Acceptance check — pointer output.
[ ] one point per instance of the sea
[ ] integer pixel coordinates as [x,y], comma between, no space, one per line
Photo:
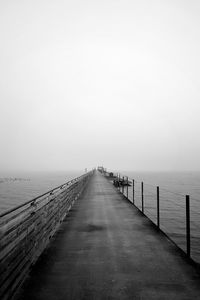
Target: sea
[173,188]
[17,188]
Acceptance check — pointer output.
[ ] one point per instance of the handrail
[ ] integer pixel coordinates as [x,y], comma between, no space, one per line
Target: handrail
[40,196]
[25,234]
[139,193]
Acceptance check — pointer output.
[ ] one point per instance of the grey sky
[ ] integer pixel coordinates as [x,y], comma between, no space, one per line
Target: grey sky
[84,83]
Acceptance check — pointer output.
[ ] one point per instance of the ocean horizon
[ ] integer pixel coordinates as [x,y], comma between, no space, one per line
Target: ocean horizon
[20,186]
[17,188]
[24,185]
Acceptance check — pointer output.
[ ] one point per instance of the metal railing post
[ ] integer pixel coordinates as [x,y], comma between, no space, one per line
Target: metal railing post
[117,180]
[188,225]
[133,191]
[158,207]
[127,188]
[142,194]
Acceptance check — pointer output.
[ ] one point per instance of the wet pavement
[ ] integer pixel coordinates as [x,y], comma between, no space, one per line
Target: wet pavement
[105,249]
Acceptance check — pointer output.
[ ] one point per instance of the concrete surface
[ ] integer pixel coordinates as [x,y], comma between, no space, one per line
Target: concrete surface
[105,249]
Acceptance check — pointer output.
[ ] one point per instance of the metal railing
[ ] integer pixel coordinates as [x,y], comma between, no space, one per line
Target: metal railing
[173,213]
[26,229]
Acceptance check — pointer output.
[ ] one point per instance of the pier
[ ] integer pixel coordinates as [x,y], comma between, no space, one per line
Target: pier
[106,249]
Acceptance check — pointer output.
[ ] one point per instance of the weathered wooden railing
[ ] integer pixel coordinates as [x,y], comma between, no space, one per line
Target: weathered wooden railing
[26,230]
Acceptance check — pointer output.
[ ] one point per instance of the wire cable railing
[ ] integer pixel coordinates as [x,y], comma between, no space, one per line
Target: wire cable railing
[174,213]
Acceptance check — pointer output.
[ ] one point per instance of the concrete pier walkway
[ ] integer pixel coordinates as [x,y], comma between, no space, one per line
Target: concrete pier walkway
[105,250]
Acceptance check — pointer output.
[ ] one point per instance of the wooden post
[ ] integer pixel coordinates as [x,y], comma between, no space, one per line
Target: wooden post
[133,191]
[123,185]
[188,224]
[158,207]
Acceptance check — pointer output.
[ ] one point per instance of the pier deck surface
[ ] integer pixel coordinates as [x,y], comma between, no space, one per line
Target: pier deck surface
[105,249]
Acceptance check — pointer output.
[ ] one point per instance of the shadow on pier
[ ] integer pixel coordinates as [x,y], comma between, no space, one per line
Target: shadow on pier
[105,249]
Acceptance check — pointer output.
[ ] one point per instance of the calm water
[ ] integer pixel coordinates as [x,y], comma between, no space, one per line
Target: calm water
[173,188]
[17,188]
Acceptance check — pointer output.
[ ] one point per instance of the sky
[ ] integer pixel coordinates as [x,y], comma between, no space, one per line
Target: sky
[88,83]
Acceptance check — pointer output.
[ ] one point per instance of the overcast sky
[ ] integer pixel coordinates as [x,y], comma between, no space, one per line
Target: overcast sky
[88,83]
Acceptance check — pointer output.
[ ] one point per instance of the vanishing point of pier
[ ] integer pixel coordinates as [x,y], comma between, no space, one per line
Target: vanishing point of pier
[104,249]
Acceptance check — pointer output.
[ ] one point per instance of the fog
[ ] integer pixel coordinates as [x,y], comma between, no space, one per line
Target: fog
[88,83]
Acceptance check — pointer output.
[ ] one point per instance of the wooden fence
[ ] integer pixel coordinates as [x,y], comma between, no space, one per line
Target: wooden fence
[26,230]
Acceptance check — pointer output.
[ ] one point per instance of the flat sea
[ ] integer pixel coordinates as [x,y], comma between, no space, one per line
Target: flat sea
[16,188]
[19,187]
[173,187]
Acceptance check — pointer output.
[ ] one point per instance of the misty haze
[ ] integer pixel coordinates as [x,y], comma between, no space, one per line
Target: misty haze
[99,83]
[99,155]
